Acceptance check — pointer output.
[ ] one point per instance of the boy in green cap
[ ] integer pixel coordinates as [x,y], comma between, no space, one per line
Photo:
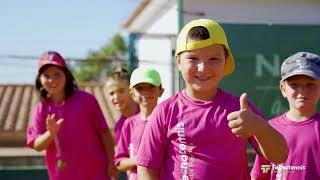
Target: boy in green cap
[145,86]
[201,132]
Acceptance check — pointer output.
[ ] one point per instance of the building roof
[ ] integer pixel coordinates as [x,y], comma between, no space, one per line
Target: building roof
[18,100]
[135,13]
[145,15]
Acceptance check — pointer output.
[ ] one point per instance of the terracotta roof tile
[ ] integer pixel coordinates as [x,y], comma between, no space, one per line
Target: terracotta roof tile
[5,105]
[17,102]
[25,108]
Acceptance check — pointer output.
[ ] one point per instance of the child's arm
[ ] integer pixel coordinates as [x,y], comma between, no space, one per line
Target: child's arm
[124,150]
[268,138]
[126,164]
[148,174]
[44,140]
[245,123]
[108,145]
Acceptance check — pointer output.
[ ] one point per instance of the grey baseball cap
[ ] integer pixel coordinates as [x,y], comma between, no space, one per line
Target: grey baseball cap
[301,63]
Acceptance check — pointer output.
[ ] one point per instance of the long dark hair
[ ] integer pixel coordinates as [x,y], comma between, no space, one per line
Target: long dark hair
[70,87]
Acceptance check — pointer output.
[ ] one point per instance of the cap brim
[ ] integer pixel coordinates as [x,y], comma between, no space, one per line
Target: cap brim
[50,64]
[230,65]
[301,72]
[147,80]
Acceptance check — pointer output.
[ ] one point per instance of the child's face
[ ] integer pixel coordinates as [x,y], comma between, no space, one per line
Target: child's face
[118,93]
[53,80]
[146,94]
[202,69]
[302,92]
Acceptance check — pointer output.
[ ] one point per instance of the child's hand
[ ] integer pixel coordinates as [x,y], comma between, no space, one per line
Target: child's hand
[113,171]
[53,126]
[243,123]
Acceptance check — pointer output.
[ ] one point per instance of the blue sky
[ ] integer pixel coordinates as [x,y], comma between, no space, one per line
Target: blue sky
[71,27]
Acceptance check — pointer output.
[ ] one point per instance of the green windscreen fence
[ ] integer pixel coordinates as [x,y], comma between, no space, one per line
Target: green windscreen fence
[259,51]
[24,174]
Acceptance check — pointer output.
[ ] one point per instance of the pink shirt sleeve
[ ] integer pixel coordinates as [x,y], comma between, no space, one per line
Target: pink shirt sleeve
[257,172]
[154,140]
[118,127]
[122,148]
[98,119]
[37,126]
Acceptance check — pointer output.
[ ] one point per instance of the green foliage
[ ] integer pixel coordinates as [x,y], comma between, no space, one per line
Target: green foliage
[97,63]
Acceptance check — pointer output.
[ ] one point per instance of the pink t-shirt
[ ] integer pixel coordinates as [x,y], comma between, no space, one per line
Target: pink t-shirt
[79,137]
[118,127]
[188,139]
[119,124]
[129,141]
[303,139]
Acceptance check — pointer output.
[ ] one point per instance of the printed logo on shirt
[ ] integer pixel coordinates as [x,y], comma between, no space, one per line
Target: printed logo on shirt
[185,151]
[131,150]
[131,154]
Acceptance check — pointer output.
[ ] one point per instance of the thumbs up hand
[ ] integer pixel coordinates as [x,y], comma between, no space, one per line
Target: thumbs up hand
[243,123]
[244,102]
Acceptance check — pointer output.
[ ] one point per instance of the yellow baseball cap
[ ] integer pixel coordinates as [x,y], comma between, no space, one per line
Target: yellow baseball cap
[145,75]
[217,36]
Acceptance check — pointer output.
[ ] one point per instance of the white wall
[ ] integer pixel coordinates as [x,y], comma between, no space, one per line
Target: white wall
[156,52]
[255,11]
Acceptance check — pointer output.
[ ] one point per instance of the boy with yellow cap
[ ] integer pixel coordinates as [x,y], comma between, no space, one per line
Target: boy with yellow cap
[201,132]
[145,86]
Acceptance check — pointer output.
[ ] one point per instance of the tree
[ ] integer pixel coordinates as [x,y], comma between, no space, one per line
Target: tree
[95,66]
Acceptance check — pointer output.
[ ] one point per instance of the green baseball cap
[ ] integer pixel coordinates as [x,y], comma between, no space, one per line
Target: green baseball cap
[145,75]
[217,36]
